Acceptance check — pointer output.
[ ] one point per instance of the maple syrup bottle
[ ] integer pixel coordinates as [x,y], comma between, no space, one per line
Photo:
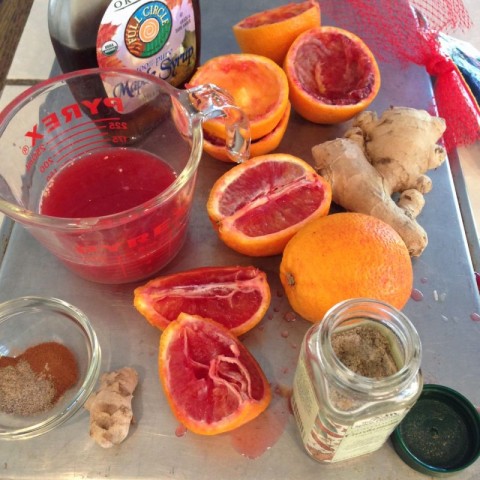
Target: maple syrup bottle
[159,37]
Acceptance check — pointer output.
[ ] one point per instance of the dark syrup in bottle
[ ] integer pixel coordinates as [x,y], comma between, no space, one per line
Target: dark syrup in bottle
[73,27]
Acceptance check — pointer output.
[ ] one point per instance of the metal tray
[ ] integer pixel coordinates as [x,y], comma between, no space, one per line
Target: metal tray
[450,337]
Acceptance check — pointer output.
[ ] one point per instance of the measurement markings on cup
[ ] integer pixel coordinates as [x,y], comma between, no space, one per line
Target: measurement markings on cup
[78,141]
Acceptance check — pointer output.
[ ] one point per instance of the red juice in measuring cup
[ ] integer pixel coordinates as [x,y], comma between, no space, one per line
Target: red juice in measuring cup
[108,182]
[105,182]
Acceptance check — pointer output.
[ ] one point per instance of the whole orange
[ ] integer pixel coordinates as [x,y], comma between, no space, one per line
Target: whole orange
[342,256]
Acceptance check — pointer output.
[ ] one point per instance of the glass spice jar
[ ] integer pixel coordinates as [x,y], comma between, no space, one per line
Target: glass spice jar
[342,414]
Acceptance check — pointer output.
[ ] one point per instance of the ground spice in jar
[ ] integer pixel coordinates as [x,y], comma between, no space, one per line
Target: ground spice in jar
[365,350]
[348,395]
[34,381]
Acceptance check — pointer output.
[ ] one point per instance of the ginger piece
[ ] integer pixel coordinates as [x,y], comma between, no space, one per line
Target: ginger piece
[402,145]
[111,407]
[380,157]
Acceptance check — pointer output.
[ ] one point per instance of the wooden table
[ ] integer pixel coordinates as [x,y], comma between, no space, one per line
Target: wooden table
[13,15]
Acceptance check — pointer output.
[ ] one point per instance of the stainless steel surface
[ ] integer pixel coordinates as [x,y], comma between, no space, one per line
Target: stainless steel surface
[443,318]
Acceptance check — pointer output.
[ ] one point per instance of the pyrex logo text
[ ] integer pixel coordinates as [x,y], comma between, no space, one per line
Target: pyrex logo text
[54,120]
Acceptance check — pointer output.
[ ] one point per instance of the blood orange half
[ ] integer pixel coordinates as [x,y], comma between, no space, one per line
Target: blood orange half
[212,382]
[259,205]
[257,85]
[236,297]
[271,32]
[332,75]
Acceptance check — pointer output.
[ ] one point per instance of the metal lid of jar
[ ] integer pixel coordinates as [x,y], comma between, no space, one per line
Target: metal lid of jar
[441,433]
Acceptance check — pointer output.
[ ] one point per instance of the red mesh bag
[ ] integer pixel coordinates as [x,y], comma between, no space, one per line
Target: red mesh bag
[412,31]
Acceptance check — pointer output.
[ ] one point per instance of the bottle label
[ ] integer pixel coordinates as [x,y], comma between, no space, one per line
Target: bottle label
[328,441]
[155,37]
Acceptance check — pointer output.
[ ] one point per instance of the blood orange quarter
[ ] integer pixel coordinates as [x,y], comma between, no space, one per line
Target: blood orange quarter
[237,297]
[259,205]
[212,382]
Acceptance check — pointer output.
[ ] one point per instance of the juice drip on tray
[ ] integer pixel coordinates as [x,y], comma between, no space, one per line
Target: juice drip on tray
[254,438]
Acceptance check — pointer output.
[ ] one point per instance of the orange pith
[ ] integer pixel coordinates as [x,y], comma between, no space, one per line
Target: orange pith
[257,84]
[271,32]
[332,75]
[343,256]
[212,382]
[216,146]
[259,205]
[237,297]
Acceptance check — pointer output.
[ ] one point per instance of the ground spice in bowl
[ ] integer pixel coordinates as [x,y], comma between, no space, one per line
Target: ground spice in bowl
[34,381]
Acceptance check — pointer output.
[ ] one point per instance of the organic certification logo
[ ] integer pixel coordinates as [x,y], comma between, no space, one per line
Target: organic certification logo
[148,29]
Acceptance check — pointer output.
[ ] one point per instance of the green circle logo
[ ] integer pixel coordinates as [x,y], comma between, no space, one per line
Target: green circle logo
[148,29]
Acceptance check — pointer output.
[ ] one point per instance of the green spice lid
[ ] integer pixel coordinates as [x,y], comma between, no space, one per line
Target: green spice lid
[441,433]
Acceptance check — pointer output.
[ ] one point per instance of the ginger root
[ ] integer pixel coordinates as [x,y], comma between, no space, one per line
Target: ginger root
[380,157]
[111,407]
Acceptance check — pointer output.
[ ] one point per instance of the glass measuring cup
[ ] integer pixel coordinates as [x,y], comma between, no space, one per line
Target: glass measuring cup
[123,141]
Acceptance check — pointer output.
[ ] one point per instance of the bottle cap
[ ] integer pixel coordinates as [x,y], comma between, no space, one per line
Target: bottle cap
[441,433]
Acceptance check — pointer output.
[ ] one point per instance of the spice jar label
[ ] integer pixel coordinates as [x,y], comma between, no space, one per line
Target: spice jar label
[368,435]
[329,441]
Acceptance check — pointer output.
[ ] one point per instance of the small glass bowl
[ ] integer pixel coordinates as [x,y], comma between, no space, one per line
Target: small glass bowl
[29,321]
